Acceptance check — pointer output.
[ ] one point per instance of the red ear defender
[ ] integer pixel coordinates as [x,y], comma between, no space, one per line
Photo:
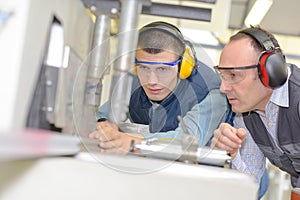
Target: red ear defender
[272,67]
[263,74]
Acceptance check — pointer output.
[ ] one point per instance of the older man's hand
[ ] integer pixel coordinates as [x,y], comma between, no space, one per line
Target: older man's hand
[228,138]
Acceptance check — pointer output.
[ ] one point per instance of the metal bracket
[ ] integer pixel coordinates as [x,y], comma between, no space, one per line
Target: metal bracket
[189,145]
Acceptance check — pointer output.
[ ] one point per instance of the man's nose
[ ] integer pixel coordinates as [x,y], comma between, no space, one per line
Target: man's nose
[152,78]
[225,87]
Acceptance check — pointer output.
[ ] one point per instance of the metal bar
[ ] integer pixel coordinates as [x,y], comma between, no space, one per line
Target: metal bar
[159,9]
[127,42]
[98,60]
[100,46]
[177,11]
[204,1]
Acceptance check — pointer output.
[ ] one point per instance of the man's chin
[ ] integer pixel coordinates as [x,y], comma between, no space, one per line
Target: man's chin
[238,110]
[155,97]
[159,96]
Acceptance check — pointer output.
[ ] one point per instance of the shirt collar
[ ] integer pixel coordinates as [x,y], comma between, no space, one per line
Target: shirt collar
[280,95]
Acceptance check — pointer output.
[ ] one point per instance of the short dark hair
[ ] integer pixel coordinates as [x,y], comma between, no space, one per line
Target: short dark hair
[155,40]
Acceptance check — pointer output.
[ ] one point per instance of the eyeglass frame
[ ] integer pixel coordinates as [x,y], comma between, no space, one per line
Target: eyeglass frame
[217,69]
[169,64]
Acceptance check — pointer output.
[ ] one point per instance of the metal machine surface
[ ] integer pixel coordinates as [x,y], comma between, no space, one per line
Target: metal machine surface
[169,151]
[85,177]
[27,35]
[54,58]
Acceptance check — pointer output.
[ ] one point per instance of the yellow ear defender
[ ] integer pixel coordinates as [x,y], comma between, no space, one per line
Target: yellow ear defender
[134,72]
[187,64]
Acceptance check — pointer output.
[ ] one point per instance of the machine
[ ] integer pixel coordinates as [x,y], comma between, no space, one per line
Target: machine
[59,59]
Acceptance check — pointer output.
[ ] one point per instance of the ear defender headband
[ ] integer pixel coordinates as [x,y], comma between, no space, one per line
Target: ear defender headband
[272,67]
[187,63]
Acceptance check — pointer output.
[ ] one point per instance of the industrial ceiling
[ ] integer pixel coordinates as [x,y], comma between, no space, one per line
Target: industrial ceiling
[226,17]
[282,18]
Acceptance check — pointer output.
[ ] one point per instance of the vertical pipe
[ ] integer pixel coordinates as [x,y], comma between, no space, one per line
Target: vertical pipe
[96,63]
[98,59]
[127,42]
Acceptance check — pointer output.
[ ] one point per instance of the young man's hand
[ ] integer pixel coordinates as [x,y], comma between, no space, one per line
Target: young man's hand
[111,140]
[228,138]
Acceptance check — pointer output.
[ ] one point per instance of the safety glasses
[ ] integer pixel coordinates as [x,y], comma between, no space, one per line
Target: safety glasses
[161,69]
[233,75]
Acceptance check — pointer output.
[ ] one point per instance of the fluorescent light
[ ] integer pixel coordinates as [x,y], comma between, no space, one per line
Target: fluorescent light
[257,12]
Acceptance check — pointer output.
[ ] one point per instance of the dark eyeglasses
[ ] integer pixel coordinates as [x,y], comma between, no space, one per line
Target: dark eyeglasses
[233,75]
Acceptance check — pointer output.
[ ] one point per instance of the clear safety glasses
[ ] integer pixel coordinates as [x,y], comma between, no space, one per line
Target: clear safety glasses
[160,69]
[233,75]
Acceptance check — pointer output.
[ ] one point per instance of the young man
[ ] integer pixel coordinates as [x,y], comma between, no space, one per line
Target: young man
[264,92]
[170,82]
